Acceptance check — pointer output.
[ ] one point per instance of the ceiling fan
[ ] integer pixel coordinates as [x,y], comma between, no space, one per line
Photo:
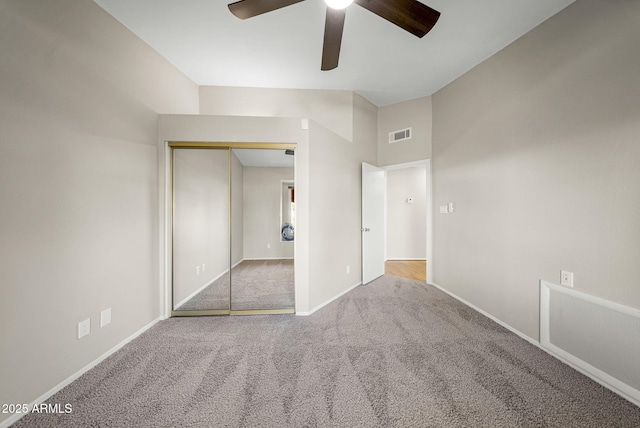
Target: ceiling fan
[410,15]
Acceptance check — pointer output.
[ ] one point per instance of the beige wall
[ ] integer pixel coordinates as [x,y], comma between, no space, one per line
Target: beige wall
[415,114]
[334,215]
[406,222]
[365,129]
[538,147]
[79,101]
[262,194]
[332,109]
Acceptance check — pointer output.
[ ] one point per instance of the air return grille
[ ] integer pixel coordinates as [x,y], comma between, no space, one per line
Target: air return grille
[403,134]
[599,337]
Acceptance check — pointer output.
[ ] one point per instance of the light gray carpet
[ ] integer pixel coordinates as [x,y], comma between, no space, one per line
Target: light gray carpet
[395,353]
[256,284]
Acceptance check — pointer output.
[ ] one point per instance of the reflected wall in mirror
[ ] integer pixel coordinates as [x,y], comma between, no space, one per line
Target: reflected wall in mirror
[201,229]
[262,276]
[287,211]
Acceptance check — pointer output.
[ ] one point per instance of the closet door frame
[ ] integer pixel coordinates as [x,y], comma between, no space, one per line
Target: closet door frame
[218,146]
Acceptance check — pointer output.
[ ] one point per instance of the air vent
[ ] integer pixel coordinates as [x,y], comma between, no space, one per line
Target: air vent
[401,135]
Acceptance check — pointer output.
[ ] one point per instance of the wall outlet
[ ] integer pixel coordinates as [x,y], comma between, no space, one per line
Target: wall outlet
[84,328]
[204,267]
[348,269]
[444,209]
[268,246]
[197,270]
[105,317]
[566,278]
[450,207]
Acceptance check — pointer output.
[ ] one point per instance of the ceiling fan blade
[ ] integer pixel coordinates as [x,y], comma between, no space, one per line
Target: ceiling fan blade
[244,9]
[333,27]
[410,15]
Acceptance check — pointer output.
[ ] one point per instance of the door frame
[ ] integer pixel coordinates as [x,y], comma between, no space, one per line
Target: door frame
[429,217]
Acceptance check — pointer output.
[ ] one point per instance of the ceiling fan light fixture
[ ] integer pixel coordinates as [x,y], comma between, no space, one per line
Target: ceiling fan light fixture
[338,4]
[410,15]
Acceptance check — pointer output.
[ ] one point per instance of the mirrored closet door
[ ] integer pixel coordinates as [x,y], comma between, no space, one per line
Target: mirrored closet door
[263,229]
[233,228]
[201,252]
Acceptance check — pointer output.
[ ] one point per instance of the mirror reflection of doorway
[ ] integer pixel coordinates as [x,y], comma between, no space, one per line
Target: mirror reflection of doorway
[228,253]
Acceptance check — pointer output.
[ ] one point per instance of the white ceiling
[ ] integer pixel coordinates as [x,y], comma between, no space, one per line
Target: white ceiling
[282,49]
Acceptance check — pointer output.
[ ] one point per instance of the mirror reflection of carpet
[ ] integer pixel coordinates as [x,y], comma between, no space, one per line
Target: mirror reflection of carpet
[257,284]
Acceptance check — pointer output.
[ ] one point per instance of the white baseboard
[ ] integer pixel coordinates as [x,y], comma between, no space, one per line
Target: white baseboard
[400,259]
[269,258]
[44,397]
[539,346]
[329,301]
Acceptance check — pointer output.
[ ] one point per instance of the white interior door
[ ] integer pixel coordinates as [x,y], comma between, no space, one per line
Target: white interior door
[373,190]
